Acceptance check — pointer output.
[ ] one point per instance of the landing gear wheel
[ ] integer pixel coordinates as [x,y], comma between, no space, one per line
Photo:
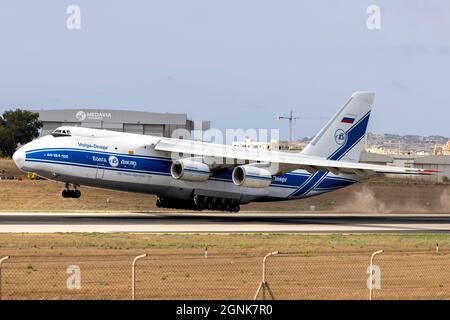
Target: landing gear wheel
[222,205]
[199,202]
[69,193]
[211,204]
[201,205]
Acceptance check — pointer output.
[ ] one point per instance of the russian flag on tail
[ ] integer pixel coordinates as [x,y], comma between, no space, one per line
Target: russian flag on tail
[349,119]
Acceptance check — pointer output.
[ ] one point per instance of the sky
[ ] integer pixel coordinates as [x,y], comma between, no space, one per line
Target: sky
[238,63]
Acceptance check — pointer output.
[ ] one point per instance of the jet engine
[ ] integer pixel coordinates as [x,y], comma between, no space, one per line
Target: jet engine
[189,170]
[251,176]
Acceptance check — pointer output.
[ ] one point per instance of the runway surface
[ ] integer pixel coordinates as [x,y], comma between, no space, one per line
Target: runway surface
[162,222]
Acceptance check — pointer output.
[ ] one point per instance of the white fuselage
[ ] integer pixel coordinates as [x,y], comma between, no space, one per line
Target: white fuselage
[129,162]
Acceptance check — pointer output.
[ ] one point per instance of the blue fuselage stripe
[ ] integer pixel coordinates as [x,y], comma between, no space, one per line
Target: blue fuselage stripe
[161,166]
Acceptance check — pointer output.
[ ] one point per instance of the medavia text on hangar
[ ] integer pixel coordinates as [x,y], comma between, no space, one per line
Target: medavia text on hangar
[140,122]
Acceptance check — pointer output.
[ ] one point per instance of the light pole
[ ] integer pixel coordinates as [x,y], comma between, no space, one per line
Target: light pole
[264,285]
[133,277]
[1,261]
[371,272]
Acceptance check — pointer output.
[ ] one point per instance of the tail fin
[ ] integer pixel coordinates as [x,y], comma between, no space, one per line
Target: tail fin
[342,137]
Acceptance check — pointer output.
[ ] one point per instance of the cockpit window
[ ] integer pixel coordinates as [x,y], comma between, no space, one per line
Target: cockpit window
[61,133]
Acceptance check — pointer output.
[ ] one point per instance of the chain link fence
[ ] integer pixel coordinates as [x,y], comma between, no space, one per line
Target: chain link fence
[396,275]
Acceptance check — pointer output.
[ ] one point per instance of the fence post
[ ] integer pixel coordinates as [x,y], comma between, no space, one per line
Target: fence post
[133,276]
[371,272]
[1,261]
[264,285]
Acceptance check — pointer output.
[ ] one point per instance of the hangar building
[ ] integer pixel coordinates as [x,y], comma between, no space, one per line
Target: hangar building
[149,123]
[440,163]
[375,158]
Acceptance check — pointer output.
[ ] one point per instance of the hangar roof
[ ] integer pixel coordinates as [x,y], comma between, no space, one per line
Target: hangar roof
[111,116]
[433,160]
[375,157]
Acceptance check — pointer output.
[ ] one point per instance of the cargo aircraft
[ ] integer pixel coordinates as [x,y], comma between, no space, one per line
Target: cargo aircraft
[187,174]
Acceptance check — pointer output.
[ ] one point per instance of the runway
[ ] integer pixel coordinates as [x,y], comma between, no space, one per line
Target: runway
[163,222]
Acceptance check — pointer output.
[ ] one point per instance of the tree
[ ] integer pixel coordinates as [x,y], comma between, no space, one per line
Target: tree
[17,128]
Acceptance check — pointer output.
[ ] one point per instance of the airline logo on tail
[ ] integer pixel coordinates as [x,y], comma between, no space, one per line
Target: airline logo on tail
[345,130]
[340,136]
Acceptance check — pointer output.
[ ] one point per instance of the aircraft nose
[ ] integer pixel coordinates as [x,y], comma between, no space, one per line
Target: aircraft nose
[19,158]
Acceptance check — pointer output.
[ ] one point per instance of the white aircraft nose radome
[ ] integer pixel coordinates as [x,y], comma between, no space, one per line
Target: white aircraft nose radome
[19,158]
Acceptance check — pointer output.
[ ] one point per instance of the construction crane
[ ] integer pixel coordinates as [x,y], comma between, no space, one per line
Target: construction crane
[291,118]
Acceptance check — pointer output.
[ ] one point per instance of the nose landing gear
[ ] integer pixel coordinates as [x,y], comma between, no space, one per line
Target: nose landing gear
[71,193]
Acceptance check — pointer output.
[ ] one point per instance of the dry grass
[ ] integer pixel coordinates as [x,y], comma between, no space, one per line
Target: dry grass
[42,195]
[85,244]
[10,168]
[314,266]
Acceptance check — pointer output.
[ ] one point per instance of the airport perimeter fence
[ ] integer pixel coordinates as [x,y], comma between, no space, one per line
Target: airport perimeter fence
[396,275]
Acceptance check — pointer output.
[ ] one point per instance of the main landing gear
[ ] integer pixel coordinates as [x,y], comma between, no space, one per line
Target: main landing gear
[215,203]
[200,203]
[71,193]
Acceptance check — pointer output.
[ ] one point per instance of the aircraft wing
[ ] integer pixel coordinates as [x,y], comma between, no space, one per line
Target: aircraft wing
[233,156]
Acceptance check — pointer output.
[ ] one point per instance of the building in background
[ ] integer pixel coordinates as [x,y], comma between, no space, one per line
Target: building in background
[375,158]
[140,122]
[295,146]
[442,150]
[439,163]
[248,143]
[394,144]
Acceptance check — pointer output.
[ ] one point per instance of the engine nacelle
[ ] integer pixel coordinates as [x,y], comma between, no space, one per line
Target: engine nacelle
[189,170]
[251,177]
